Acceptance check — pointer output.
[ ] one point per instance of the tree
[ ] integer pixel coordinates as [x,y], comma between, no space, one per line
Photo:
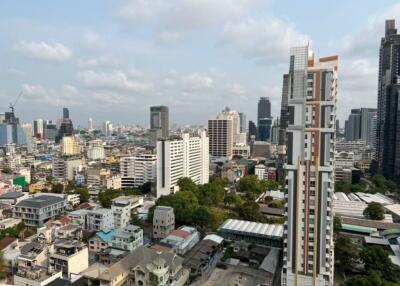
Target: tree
[57,188]
[183,203]
[186,184]
[251,186]
[211,194]
[145,188]
[346,253]
[343,186]
[3,267]
[271,185]
[376,258]
[135,220]
[250,211]
[232,199]
[277,204]
[105,198]
[374,211]
[379,180]
[83,194]
[337,225]
[201,217]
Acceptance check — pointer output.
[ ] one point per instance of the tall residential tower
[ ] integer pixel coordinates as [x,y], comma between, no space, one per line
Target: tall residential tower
[388,119]
[308,228]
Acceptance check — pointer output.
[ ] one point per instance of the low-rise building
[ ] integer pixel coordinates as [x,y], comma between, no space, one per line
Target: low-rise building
[13,198]
[9,222]
[100,240]
[69,257]
[37,210]
[73,199]
[141,267]
[122,208]
[163,221]
[182,239]
[35,276]
[128,238]
[99,219]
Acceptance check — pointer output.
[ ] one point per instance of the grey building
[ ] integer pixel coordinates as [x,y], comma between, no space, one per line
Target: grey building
[264,129]
[38,210]
[388,123]
[264,108]
[159,123]
[252,131]
[242,118]
[163,222]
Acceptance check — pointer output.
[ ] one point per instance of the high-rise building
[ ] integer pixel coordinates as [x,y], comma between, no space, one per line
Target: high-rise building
[243,122]
[107,128]
[388,124]
[252,131]
[275,131]
[220,133]
[95,150]
[69,146]
[10,129]
[159,124]
[308,233]
[264,108]
[90,124]
[264,129]
[65,113]
[66,127]
[358,125]
[181,157]
[50,131]
[283,126]
[38,128]
[137,170]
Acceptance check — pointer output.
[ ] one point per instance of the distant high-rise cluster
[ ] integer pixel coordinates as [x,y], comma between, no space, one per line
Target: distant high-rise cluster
[308,236]
[360,125]
[388,123]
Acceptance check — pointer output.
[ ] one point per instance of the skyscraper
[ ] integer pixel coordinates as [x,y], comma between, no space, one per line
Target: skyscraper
[159,124]
[38,128]
[388,123]
[308,235]
[224,133]
[65,113]
[264,129]
[352,130]
[90,124]
[242,117]
[107,128]
[282,130]
[264,108]
[252,131]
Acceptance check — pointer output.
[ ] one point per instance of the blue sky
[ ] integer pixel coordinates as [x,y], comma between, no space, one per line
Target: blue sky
[111,60]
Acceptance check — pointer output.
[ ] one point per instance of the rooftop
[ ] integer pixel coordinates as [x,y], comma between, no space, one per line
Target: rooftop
[6,242]
[40,201]
[252,228]
[11,195]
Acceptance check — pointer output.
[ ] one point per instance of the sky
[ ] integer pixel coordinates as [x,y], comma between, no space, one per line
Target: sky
[112,60]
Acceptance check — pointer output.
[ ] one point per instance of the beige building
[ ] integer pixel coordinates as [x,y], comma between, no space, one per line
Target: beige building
[69,146]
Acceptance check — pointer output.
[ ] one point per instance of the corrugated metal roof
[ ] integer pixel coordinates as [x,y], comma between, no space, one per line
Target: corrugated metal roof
[263,229]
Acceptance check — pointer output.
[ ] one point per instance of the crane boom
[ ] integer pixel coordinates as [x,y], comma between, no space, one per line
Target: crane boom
[15,102]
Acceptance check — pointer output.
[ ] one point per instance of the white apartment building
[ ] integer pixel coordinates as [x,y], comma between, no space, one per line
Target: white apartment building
[308,229]
[137,170]
[114,182]
[69,146]
[180,157]
[95,150]
[99,219]
[66,169]
[122,208]
[73,199]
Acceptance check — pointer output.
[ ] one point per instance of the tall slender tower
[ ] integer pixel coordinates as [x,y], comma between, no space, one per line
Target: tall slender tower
[308,228]
[159,124]
[388,120]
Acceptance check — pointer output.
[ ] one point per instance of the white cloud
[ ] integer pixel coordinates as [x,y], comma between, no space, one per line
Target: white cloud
[104,61]
[70,89]
[195,82]
[265,40]
[92,40]
[16,72]
[169,37]
[52,52]
[115,79]
[137,11]
[34,92]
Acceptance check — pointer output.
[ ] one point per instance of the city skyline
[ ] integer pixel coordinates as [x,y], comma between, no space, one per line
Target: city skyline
[122,59]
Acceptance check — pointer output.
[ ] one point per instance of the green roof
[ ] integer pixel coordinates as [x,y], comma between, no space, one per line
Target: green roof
[357,228]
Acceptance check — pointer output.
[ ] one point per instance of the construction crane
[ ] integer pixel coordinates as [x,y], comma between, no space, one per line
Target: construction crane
[15,102]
